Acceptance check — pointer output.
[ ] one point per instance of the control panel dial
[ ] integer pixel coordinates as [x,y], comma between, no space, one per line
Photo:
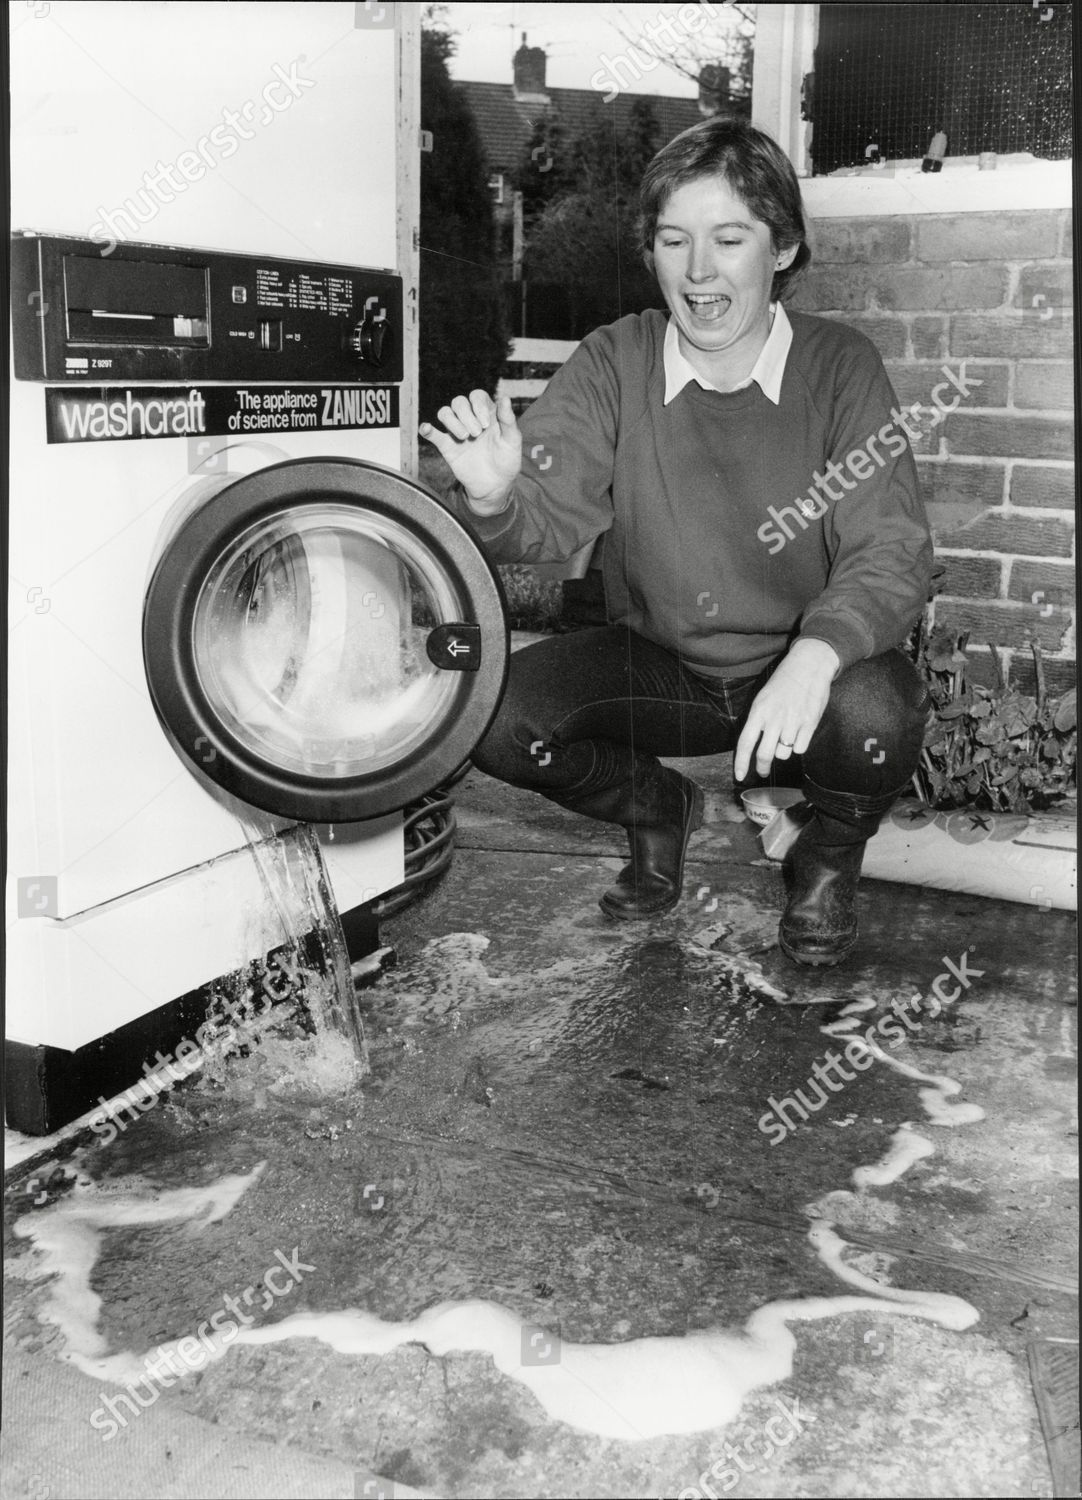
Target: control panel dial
[370,337]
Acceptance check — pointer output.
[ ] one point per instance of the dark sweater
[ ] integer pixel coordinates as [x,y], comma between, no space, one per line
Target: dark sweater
[721,545]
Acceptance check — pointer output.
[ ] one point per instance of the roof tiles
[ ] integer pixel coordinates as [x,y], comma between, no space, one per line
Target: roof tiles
[505,122]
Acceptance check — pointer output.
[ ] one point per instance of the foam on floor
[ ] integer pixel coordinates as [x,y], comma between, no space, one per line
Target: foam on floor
[68,1238]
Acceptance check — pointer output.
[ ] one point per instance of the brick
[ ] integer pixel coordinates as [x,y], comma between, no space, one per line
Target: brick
[825,288]
[1004,624]
[865,241]
[915,380]
[979,668]
[924,429]
[1014,536]
[1014,335]
[992,236]
[956,494]
[1046,288]
[1049,386]
[970,577]
[1059,674]
[1033,486]
[924,288]
[887,334]
[1009,436]
[929,338]
[1018,670]
[977,487]
[1055,581]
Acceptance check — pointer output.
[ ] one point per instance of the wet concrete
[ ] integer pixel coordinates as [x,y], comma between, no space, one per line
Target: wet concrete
[563,1117]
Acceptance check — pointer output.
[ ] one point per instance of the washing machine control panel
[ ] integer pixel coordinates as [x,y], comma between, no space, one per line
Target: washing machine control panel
[84,310]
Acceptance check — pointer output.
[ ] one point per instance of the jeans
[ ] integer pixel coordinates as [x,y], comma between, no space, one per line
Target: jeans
[592,710]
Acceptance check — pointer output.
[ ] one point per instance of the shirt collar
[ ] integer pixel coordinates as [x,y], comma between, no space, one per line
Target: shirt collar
[768,371]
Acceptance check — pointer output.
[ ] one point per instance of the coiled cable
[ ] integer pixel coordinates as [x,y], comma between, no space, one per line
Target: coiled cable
[429,829]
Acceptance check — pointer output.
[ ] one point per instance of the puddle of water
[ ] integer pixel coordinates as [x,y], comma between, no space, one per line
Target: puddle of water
[640,1388]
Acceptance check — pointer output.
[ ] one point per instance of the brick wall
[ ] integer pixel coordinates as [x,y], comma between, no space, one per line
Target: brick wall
[992,290]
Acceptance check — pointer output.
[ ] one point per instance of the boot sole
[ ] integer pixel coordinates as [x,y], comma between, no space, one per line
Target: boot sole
[816,960]
[637,913]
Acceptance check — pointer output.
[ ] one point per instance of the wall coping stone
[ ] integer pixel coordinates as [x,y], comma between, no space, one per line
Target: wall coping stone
[1019,182]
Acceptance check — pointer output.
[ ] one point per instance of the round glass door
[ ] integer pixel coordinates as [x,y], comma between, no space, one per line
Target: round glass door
[325,640]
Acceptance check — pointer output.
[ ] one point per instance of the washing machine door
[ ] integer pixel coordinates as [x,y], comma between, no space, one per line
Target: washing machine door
[324,640]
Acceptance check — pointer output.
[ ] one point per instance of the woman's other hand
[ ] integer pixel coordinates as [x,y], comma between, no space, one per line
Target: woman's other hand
[482,445]
[787,709]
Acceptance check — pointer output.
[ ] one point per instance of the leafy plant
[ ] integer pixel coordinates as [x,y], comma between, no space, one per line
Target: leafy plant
[532,603]
[994,748]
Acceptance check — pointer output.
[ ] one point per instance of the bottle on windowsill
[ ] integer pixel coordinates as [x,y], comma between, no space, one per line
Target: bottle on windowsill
[937,150]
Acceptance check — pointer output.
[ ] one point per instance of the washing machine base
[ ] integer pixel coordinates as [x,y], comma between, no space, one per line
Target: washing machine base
[48,1087]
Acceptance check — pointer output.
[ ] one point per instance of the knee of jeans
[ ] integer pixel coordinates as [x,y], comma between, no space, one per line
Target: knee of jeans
[511,738]
[486,755]
[883,693]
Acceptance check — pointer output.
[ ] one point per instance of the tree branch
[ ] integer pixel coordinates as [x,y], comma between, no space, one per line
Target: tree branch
[719,43]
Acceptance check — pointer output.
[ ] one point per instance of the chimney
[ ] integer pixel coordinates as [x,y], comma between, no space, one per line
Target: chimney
[529,63]
[713,89]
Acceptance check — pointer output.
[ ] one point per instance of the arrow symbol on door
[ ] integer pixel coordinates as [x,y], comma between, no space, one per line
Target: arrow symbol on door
[458,648]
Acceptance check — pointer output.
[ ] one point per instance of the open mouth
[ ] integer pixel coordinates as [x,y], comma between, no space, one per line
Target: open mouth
[707,307]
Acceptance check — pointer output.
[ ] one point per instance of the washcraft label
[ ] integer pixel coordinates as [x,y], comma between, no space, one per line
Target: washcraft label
[106,414]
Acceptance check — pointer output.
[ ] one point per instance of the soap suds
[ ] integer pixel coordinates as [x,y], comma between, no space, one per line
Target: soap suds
[643,1388]
[906,1147]
[935,1098]
[67,1237]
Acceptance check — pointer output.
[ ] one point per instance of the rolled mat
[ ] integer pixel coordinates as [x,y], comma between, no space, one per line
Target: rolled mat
[1006,855]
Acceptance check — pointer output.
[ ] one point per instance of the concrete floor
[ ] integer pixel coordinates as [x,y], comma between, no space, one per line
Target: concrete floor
[562,1118]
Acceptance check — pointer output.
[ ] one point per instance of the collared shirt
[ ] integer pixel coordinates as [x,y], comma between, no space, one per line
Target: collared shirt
[768,371]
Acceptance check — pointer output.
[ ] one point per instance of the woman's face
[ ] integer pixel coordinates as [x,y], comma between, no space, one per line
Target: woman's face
[715,264]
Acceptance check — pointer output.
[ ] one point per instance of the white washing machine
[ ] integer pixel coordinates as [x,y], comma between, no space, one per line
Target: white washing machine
[232,611]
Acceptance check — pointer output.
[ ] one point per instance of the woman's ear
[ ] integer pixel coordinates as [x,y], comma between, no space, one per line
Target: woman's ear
[648,262]
[784,258]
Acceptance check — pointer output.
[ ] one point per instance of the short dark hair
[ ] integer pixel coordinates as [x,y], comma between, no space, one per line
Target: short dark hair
[755,167]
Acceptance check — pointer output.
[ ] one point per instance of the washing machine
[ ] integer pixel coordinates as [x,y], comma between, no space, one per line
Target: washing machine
[238,623]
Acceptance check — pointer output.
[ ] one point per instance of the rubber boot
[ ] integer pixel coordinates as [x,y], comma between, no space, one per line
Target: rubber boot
[822,872]
[663,816]
[660,810]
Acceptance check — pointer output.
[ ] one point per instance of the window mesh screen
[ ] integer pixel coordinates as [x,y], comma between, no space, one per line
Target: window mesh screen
[993,77]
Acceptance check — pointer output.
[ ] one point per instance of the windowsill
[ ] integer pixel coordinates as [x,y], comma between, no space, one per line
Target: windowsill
[1018,182]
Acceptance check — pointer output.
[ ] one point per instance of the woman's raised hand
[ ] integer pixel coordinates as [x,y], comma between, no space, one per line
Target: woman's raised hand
[482,445]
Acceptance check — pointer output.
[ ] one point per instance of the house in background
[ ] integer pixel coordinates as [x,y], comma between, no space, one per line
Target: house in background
[508,113]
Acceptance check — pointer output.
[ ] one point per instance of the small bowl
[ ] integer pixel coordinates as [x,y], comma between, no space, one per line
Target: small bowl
[763,803]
